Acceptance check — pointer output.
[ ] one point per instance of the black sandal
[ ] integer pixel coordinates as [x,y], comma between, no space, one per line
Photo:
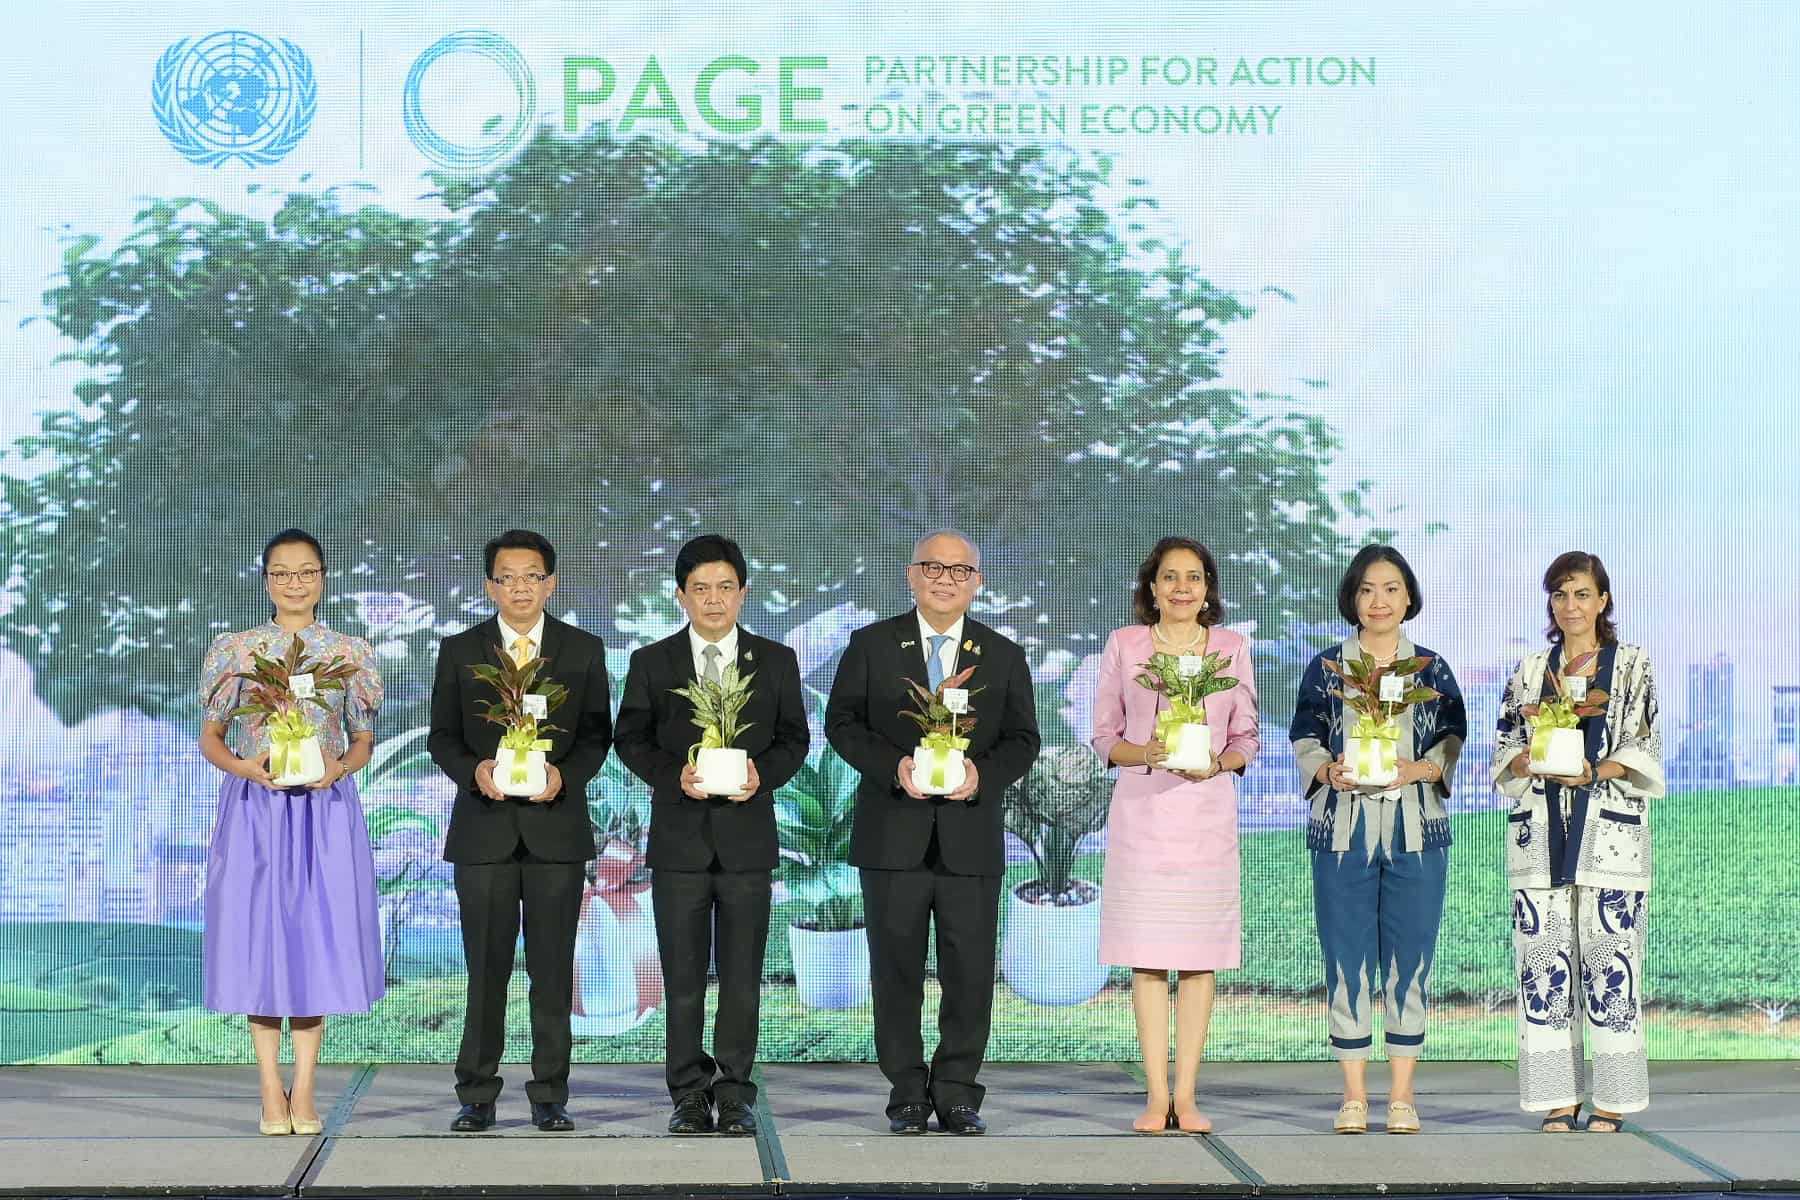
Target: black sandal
[1607,1124]
[1572,1119]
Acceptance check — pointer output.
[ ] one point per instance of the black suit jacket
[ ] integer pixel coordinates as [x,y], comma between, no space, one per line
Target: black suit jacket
[864,725]
[656,727]
[483,830]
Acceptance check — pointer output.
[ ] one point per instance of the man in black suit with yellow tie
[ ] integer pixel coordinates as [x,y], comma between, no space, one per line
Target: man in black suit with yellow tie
[514,856]
[932,858]
[711,857]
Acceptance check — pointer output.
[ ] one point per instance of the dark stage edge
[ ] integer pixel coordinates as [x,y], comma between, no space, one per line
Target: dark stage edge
[1057,1129]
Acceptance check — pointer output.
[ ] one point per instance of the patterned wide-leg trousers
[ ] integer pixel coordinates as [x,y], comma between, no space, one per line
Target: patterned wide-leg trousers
[1580,957]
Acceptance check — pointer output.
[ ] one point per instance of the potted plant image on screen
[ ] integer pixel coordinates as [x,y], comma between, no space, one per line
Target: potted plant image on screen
[618,974]
[826,940]
[1050,953]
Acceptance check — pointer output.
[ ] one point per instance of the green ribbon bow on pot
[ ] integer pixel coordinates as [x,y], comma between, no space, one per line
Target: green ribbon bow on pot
[710,739]
[287,729]
[522,740]
[1380,748]
[1180,712]
[937,750]
[1551,716]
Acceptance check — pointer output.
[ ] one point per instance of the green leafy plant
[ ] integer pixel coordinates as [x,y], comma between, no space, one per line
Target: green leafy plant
[718,706]
[1163,674]
[1565,711]
[394,764]
[513,681]
[814,814]
[1060,801]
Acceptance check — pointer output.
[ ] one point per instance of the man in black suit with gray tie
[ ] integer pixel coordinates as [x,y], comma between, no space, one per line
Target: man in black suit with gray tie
[925,858]
[711,857]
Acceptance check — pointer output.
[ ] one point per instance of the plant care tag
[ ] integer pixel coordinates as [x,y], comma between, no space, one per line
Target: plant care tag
[1393,689]
[300,686]
[1577,685]
[535,707]
[1190,665]
[957,700]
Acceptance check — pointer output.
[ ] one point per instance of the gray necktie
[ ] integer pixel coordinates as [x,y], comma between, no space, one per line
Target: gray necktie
[934,662]
[711,655]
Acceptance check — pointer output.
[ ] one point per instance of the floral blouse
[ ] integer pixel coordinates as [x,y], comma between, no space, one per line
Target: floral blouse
[352,710]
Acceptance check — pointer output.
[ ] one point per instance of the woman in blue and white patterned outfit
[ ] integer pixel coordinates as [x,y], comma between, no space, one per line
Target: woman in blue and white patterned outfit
[1578,860]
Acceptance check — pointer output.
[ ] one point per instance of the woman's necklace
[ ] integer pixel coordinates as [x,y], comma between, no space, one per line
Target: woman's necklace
[1172,646]
[1379,661]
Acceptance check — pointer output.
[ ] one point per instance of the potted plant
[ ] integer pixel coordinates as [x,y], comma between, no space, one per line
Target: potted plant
[1377,694]
[1557,747]
[618,975]
[277,694]
[1185,680]
[938,758]
[724,769]
[826,941]
[1051,951]
[520,711]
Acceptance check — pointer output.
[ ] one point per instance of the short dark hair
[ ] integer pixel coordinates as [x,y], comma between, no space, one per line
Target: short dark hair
[519,539]
[1144,599]
[291,537]
[709,548]
[1359,566]
[1574,562]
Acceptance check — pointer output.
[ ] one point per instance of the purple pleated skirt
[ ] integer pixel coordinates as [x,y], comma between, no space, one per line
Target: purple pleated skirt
[292,928]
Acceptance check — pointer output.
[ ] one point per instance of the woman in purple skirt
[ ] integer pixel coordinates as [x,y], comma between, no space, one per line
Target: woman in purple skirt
[291,923]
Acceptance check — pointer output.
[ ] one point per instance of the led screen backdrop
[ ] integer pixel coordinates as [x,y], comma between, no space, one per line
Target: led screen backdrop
[1491,283]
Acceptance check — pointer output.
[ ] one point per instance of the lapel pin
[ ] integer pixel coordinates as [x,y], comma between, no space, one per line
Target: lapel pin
[971,647]
[907,645]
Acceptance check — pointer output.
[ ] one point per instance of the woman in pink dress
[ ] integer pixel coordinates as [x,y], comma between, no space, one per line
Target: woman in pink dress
[1170,897]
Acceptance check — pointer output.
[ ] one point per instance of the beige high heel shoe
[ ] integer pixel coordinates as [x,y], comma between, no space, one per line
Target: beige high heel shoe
[276,1128]
[301,1125]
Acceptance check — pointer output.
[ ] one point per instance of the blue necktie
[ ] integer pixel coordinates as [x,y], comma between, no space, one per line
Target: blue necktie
[934,665]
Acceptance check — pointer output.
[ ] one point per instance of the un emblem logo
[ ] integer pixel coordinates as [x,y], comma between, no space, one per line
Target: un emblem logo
[234,95]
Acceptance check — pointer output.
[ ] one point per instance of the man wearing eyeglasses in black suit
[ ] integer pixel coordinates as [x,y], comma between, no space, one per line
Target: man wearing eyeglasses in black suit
[930,859]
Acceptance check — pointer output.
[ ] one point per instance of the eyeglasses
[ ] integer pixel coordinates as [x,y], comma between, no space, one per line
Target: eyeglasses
[529,579]
[961,572]
[280,577]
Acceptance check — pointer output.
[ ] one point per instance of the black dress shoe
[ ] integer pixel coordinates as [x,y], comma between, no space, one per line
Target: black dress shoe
[736,1119]
[693,1114]
[550,1116]
[961,1118]
[474,1118]
[909,1118]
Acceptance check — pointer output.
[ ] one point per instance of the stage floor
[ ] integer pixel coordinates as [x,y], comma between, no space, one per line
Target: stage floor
[1055,1128]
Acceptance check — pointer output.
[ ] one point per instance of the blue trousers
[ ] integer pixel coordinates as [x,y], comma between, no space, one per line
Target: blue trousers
[1378,909]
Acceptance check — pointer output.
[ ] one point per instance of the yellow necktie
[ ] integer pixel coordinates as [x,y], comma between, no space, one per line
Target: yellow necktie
[521,651]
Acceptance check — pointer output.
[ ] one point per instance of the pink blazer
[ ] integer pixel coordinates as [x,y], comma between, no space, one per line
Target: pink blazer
[1125,711]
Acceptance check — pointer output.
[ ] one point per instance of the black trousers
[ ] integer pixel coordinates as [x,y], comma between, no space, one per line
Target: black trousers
[689,906]
[901,908]
[492,897]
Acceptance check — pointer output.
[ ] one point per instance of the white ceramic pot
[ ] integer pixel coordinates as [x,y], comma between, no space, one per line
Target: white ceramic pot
[1051,955]
[1190,748]
[925,767]
[831,966]
[1371,762]
[306,764]
[723,772]
[510,782]
[1564,755]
